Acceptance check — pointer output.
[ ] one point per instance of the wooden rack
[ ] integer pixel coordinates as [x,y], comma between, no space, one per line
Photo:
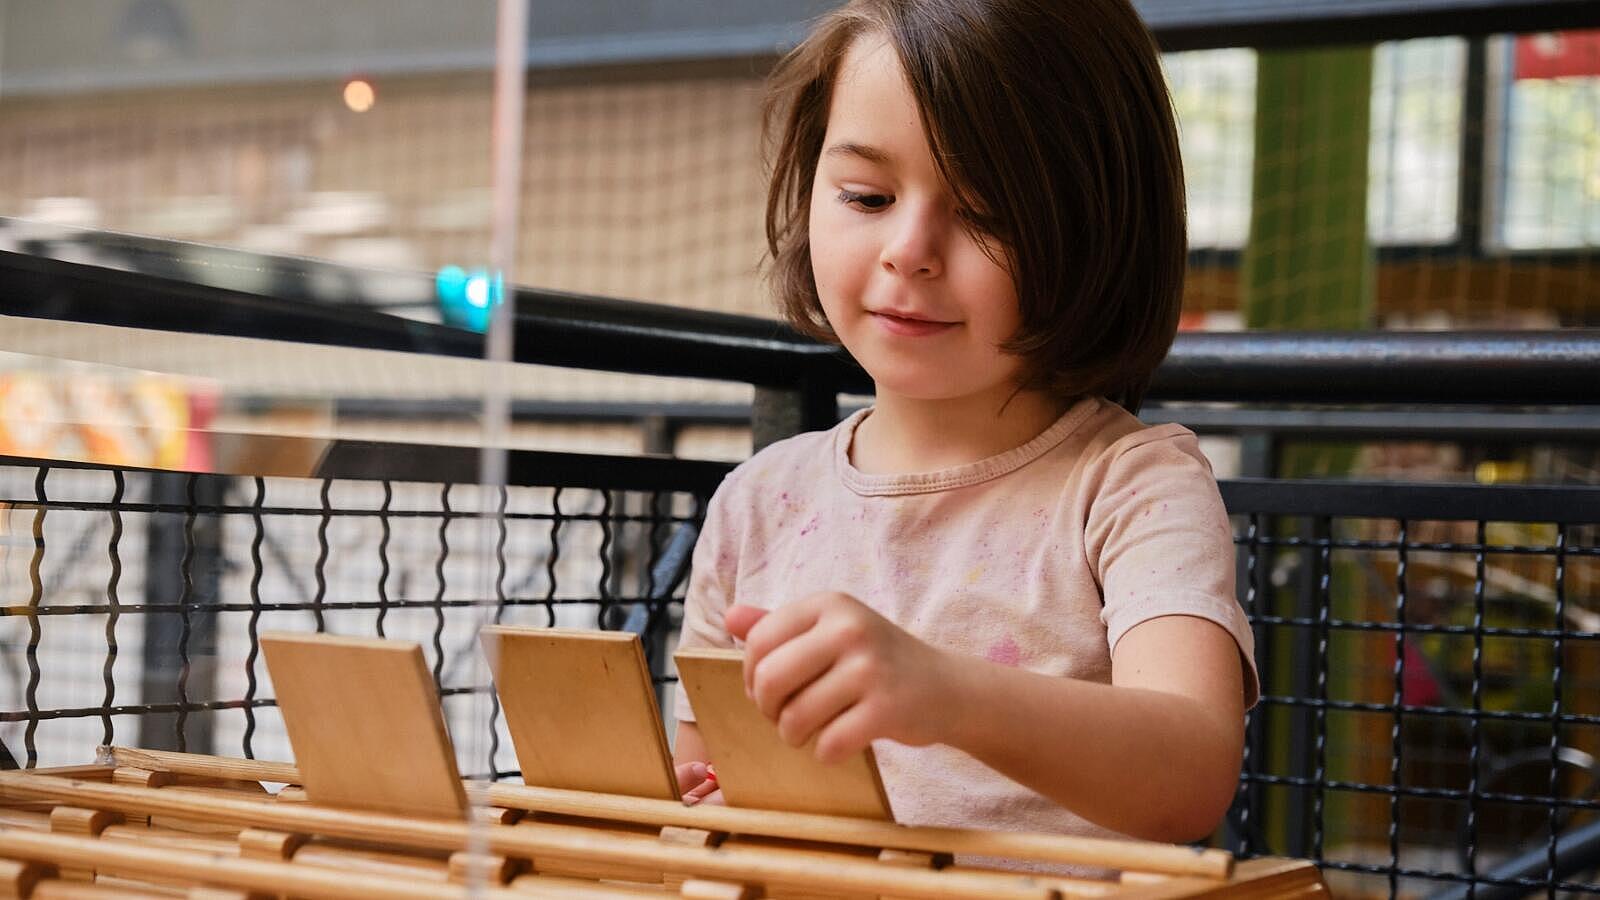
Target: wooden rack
[375,807]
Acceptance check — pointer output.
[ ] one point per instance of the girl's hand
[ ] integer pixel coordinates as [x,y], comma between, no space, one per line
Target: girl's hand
[829,668]
[694,786]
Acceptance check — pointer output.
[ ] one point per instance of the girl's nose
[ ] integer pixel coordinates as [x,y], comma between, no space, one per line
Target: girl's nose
[913,246]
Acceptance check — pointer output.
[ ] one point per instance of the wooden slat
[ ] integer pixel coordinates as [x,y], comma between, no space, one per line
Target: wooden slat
[1053,848]
[581,711]
[1255,879]
[523,840]
[142,861]
[207,766]
[364,720]
[755,767]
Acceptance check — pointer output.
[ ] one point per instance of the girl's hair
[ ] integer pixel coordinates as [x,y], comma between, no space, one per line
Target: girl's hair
[1052,119]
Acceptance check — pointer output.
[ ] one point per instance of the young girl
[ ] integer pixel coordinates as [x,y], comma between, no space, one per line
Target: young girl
[1020,596]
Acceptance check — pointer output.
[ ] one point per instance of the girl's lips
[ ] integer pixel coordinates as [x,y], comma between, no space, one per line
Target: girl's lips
[910,327]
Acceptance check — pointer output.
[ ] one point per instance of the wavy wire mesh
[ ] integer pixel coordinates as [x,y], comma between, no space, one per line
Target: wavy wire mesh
[1430,720]
[135,602]
[1430,710]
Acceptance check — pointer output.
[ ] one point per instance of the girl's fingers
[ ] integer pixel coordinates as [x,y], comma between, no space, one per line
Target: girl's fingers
[775,628]
[700,792]
[850,732]
[690,775]
[816,704]
[787,669]
[740,618]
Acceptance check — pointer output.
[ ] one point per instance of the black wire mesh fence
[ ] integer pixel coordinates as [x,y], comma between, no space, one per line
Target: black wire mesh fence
[135,601]
[1430,653]
[1430,657]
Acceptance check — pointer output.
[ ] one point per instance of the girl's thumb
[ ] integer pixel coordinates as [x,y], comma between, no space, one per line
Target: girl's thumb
[740,619]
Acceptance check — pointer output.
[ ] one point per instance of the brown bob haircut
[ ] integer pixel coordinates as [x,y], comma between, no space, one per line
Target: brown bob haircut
[1052,118]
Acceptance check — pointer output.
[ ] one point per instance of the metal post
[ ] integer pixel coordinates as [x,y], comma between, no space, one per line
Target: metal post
[778,413]
[1258,458]
[1474,176]
[166,546]
[660,436]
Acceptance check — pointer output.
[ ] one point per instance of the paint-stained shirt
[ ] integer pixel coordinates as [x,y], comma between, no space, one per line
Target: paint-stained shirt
[1041,557]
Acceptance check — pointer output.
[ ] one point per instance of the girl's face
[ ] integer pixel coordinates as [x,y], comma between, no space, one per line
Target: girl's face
[905,284]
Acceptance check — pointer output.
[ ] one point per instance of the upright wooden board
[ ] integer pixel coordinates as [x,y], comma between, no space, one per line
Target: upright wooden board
[364,720]
[754,766]
[581,711]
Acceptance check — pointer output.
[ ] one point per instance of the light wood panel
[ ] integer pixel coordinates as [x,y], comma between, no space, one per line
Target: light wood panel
[581,711]
[365,723]
[523,840]
[579,856]
[1142,856]
[755,767]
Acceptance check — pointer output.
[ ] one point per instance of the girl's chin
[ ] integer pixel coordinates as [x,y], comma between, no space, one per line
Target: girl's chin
[932,388]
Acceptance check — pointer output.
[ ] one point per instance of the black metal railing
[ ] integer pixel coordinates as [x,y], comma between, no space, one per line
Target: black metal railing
[136,283]
[1428,651]
[1430,656]
[194,566]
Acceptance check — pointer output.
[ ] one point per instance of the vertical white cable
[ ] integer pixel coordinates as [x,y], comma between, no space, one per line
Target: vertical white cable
[5,8]
[510,85]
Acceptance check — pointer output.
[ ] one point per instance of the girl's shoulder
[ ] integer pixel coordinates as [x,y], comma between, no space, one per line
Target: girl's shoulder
[1112,434]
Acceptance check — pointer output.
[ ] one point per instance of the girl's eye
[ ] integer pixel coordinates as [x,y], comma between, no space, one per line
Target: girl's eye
[866,202]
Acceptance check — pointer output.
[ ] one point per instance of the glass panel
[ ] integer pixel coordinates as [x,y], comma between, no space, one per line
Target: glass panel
[1552,143]
[1214,92]
[1415,161]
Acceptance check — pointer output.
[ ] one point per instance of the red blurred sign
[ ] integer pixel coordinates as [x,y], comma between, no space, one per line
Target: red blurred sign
[1558,54]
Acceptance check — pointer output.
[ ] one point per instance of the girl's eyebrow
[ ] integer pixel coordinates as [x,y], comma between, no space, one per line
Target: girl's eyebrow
[864,151]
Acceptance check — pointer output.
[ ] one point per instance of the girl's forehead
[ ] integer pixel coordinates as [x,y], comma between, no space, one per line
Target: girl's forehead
[872,108]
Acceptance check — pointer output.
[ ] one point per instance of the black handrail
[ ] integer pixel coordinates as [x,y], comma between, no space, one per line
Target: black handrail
[552,328]
[289,456]
[1511,367]
[1205,24]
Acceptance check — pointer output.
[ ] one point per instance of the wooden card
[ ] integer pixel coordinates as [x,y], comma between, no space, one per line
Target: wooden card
[754,766]
[581,711]
[364,720]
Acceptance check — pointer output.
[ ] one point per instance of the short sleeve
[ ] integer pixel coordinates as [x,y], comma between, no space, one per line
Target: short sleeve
[1160,543]
[712,572]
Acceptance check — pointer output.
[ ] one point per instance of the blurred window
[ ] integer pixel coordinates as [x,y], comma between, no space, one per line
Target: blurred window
[1414,165]
[1214,92]
[1550,96]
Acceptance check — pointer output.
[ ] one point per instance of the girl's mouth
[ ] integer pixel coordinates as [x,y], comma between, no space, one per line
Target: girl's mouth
[910,327]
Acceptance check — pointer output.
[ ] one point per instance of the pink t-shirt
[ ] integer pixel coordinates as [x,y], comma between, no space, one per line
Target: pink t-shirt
[1041,557]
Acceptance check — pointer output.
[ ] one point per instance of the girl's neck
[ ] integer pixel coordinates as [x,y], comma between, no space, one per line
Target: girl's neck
[905,436]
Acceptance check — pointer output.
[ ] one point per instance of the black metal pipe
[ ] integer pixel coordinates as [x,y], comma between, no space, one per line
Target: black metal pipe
[1575,504]
[147,283]
[1531,367]
[1535,367]
[299,457]
[1207,24]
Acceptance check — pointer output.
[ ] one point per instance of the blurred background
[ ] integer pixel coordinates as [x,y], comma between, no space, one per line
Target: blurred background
[338,153]
[358,132]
